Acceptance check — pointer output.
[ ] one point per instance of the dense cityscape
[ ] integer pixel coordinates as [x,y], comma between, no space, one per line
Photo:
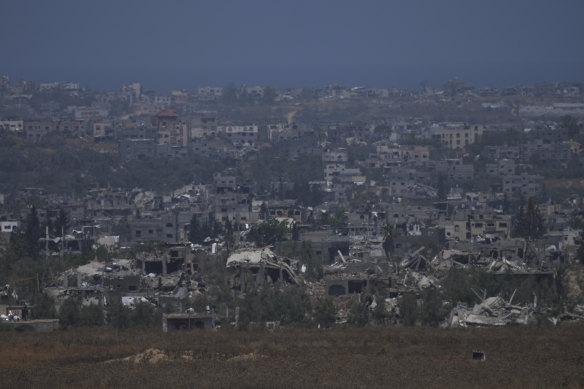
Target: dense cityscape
[245,206]
[277,194]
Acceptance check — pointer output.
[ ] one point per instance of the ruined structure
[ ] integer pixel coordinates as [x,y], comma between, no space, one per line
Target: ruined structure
[261,266]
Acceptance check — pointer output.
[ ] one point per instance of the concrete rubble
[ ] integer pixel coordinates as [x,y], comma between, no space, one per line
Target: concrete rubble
[491,312]
[264,266]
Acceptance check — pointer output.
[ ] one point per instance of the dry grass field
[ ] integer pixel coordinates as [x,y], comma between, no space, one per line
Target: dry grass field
[518,357]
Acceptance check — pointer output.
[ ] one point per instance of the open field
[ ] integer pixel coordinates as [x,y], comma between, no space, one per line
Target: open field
[351,357]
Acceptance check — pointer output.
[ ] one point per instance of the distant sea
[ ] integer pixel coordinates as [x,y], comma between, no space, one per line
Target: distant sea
[406,76]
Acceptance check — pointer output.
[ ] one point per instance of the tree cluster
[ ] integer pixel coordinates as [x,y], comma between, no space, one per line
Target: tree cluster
[198,231]
[268,232]
[528,222]
[288,306]
[74,314]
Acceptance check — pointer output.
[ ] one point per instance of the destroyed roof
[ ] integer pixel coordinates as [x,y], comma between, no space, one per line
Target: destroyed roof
[167,113]
[264,257]
[367,267]
[95,267]
[251,256]
[91,268]
[356,266]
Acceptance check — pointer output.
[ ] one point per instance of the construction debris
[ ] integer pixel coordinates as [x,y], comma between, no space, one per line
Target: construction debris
[491,312]
[264,265]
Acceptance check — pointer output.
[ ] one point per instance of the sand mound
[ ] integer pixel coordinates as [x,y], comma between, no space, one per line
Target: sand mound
[152,355]
[246,357]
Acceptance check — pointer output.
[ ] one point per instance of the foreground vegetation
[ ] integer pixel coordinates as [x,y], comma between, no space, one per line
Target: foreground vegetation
[348,357]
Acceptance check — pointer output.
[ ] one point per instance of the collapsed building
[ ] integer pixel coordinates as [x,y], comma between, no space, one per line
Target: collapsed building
[177,258]
[353,277]
[162,278]
[262,266]
[94,282]
[186,321]
[493,311]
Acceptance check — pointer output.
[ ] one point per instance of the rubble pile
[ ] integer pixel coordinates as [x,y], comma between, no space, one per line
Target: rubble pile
[493,311]
[266,265]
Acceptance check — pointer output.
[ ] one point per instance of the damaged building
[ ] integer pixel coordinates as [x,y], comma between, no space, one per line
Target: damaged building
[262,266]
[176,258]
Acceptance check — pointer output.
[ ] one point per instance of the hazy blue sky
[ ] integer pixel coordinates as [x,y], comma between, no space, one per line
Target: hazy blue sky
[185,44]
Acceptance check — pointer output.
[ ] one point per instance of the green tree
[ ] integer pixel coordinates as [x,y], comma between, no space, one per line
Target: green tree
[289,305]
[295,235]
[269,95]
[520,223]
[268,232]
[408,310]
[388,232]
[383,130]
[528,222]
[169,308]
[143,315]
[101,253]
[457,286]
[358,313]
[325,218]
[251,309]
[339,219]
[118,314]
[506,204]
[43,307]
[570,125]
[295,305]
[122,229]
[195,231]
[91,316]
[358,153]
[442,187]
[32,233]
[325,313]
[229,240]
[210,228]
[18,247]
[432,311]
[379,312]
[62,223]
[263,211]
[69,313]
[229,95]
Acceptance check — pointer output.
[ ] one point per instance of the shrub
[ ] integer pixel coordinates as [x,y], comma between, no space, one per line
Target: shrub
[69,313]
[91,315]
[408,310]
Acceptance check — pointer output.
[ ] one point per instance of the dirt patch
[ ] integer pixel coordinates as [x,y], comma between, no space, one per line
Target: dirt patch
[152,355]
[246,357]
[561,189]
[296,357]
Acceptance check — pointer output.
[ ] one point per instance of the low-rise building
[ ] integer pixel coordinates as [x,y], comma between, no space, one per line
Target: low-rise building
[526,185]
[12,125]
[456,135]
